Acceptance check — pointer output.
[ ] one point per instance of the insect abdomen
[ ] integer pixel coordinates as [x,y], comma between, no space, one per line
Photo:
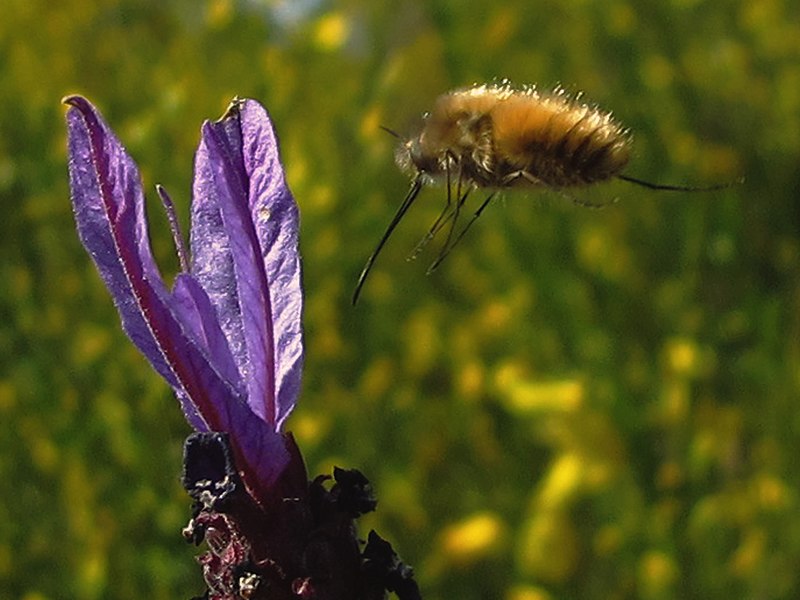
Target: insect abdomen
[553,141]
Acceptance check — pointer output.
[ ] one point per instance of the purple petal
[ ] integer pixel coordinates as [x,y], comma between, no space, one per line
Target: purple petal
[198,315]
[244,248]
[239,288]
[110,215]
[277,223]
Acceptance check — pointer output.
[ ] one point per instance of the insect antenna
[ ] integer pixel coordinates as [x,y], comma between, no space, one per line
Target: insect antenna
[416,186]
[391,132]
[679,188]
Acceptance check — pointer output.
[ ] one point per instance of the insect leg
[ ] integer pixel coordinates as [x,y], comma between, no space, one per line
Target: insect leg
[416,186]
[453,218]
[679,188]
[437,225]
[447,250]
[440,220]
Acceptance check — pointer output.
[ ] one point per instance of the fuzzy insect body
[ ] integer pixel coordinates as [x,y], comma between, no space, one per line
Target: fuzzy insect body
[496,137]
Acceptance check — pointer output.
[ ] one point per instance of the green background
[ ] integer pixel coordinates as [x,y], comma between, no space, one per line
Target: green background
[578,404]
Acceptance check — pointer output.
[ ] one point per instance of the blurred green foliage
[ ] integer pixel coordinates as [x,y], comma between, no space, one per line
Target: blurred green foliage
[578,404]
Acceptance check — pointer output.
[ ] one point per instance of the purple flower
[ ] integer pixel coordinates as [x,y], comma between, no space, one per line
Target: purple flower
[228,338]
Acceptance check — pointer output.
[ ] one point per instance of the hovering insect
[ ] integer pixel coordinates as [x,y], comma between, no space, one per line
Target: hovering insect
[498,137]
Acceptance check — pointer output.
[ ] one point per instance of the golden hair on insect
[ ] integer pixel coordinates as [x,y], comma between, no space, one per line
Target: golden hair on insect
[497,137]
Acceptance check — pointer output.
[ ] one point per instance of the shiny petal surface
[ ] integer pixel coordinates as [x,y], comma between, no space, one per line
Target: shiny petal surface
[276,217]
[245,254]
[175,332]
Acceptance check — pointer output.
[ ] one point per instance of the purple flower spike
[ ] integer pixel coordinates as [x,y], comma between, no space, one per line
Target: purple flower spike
[228,337]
